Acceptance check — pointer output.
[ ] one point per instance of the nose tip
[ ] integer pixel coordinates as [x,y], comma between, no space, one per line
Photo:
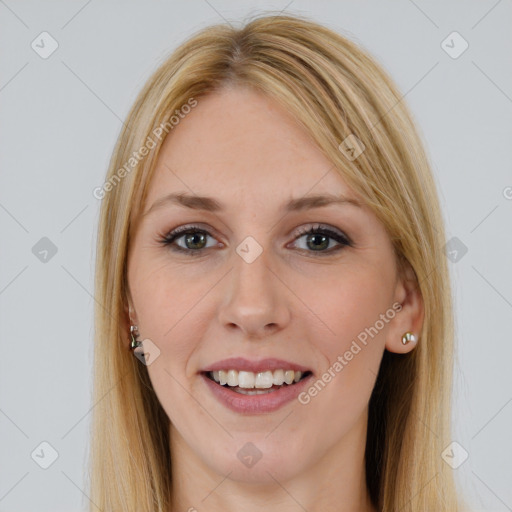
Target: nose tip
[254,299]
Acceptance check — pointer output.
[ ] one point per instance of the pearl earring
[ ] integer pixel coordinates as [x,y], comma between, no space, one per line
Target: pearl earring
[407,337]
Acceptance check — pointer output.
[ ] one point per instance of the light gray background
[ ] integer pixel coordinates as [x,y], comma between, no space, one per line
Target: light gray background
[60,117]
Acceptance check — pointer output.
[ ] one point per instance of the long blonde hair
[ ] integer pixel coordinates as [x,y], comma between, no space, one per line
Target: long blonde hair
[334,89]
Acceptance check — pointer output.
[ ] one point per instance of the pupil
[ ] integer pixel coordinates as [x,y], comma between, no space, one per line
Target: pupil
[324,239]
[192,236]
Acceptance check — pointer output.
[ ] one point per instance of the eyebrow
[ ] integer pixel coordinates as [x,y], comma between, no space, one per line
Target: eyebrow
[210,204]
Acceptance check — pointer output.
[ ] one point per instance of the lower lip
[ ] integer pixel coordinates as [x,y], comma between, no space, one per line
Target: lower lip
[255,404]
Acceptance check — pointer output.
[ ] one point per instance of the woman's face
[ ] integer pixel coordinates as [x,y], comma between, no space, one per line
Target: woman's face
[246,280]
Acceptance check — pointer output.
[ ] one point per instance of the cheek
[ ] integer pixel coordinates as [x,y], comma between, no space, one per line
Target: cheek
[169,311]
[349,332]
[167,297]
[344,303]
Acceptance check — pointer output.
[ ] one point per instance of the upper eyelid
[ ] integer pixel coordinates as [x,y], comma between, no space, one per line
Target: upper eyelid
[301,229]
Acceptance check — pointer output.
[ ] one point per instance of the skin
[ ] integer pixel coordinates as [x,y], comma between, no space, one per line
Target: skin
[292,302]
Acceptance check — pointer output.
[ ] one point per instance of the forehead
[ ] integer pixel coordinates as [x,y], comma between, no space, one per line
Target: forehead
[239,139]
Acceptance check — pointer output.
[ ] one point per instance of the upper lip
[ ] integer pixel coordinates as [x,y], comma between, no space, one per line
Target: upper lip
[260,365]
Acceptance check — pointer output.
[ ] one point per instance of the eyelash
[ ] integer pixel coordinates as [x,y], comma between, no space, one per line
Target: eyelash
[170,238]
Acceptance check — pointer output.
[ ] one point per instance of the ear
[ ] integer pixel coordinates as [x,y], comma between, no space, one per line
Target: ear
[130,315]
[410,317]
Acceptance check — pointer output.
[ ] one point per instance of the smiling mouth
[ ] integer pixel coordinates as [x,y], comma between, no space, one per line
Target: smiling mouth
[248,383]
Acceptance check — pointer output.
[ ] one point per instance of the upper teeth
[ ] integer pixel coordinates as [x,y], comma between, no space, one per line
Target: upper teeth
[260,380]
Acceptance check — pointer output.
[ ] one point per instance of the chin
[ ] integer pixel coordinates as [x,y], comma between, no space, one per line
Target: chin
[262,462]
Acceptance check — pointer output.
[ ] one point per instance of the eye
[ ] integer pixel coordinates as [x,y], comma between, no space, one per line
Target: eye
[193,238]
[318,238]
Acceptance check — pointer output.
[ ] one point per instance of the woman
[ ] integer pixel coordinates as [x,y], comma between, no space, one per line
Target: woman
[270,250]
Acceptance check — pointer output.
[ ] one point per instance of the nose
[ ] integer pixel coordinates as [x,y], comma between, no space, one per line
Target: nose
[255,299]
